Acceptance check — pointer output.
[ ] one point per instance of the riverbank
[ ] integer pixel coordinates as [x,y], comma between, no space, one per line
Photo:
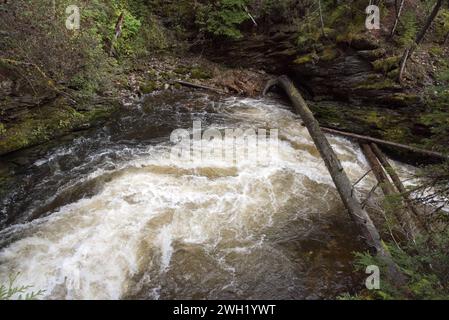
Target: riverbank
[139,78]
[347,76]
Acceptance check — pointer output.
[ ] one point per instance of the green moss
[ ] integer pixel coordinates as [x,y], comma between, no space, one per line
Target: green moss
[200,73]
[375,119]
[404,99]
[2,129]
[307,58]
[387,64]
[398,134]
[152,73]
[351,35]
[182,70]
[436,51]
[329,54]
[378,85]
[393,74]
[47,122]
[148,87]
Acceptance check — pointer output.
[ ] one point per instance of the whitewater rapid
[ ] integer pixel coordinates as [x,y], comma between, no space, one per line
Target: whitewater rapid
[160,228]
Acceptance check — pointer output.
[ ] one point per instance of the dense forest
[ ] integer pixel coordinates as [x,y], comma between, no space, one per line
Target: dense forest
[61,73]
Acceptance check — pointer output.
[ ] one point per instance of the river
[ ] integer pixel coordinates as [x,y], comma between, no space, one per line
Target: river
[106,214]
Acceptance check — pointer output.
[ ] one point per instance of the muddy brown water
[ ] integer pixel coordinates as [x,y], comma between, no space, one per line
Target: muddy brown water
[105,215]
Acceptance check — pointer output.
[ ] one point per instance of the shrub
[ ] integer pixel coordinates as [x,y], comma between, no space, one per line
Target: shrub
[223,18]
[12,291]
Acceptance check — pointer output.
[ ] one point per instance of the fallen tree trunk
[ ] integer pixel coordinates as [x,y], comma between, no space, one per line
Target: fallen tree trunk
[379,173]
[351,201]
[399,185]
[361,138]
[199,86]
[402,216]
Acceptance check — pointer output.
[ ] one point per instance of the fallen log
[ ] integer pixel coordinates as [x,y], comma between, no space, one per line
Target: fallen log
[402,216]
[399,186]
[361,138]
[199,86]
[351,201]
[379,173]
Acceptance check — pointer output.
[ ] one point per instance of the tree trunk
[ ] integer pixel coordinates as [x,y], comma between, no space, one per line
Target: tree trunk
[398,16]
[358,137]
[381,176]
[321,19]
[403,64]
[399,186]
[446,39]
[199,86]
[118,31]
[430,18]
[420,37]
[364,223]
[402,216]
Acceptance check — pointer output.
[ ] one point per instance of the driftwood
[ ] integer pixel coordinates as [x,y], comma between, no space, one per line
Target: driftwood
[351,201]
[402,216]
[199,86]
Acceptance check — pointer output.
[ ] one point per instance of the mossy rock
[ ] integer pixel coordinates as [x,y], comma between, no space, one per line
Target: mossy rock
[47,122]
[379,85]
[387,64]
[329,54]
[307,58]
[404,99]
